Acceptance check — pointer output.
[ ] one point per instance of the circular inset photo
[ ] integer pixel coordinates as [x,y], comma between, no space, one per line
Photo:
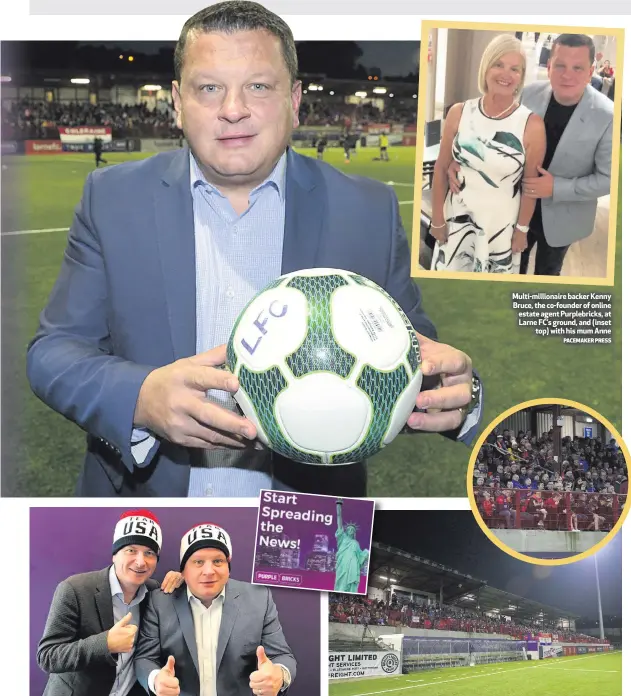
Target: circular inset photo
[547,481]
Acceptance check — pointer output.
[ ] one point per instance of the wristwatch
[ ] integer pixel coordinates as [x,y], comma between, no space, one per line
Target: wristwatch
[476,388]
[522,228]
[286,677]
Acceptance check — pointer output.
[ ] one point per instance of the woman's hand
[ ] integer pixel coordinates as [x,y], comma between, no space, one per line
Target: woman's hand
[440,232]
[520,241]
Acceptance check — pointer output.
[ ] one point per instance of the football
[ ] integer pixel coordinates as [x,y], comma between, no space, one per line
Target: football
[328,366]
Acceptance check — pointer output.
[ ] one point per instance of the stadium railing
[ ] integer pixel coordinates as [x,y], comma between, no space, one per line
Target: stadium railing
[514,508]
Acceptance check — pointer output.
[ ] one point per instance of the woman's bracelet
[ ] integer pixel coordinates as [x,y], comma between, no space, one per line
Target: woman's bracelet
[439,227]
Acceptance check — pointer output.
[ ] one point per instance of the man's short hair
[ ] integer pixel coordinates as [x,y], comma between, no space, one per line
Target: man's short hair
[233,16]
[575,41]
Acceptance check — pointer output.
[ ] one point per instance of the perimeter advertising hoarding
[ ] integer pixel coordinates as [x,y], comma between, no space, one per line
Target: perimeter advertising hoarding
[84,134]
[364,664]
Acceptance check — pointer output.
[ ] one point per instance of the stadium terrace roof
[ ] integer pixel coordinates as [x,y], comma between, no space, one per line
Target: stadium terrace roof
[490,599]
[403,568]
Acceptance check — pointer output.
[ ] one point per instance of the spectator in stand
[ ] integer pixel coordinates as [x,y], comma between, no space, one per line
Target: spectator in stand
[505,511]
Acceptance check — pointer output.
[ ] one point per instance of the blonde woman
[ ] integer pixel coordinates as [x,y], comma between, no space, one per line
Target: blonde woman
[496,141]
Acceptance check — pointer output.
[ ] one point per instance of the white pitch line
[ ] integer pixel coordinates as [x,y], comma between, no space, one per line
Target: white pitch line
[20,232]
[398,183]
[574,659]
[577,669]
[473,676]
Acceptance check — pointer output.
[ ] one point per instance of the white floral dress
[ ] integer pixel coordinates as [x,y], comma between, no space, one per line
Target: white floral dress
[480,219]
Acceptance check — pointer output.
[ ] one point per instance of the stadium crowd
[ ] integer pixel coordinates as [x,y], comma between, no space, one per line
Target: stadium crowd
[319,112]
[518,483]
[31,120]
[344,608]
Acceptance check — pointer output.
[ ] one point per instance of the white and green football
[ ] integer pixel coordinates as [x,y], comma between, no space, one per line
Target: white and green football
[328,366]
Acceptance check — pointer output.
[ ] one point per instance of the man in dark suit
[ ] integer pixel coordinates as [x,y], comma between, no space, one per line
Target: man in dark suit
[213,636]
[88,643]
[164,253]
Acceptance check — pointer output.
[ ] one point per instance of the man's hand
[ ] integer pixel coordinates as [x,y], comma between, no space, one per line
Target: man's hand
[172,580]
[447,404]
[538,186]
[120,638]
[268,678]
[166,683]
[172,403]
[452,177]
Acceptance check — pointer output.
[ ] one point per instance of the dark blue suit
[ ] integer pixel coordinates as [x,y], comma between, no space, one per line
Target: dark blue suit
[124,303]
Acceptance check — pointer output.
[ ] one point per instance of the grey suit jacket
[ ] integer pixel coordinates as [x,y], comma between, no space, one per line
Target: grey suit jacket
[73,649]
[249,619]
[581,164]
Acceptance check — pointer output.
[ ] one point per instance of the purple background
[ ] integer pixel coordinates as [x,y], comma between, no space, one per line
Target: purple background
[354,510]
[64,542]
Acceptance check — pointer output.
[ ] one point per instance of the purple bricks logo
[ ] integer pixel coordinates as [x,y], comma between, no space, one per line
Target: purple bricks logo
[313,542]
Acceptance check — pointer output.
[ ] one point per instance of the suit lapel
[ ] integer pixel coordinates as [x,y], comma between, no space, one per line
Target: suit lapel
[185,617]
[304,214]
[103,599]
[228,617]
[541,100]
[173,205]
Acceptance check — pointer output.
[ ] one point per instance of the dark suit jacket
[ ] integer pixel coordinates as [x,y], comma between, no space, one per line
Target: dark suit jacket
[73,649]
[249,619]
[125,303]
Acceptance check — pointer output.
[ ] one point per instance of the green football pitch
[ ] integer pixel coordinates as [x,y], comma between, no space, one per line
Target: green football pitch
[585,675]
[42,453]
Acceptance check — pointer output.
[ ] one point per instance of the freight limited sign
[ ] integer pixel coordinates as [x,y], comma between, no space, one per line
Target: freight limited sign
[82,135]
[364,664]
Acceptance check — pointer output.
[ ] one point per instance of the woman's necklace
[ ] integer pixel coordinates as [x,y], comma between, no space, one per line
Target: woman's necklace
[512,104]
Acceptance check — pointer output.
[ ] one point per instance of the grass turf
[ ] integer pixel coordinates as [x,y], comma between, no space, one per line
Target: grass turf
[42,452]
[584,675]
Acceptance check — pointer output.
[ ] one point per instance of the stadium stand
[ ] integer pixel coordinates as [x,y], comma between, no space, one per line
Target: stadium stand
[519,485]
[428,615]
[438,617]
[28,119]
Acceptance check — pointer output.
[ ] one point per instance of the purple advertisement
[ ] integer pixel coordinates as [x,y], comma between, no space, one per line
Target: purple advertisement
[313,542]
[64,542]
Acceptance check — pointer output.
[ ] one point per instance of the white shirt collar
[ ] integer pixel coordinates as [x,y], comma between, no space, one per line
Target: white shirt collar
[195,600]
[116,588]
[277,176]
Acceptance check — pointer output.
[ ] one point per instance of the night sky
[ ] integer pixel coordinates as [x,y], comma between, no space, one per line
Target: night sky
[392,57]
[333,59]
[454,539]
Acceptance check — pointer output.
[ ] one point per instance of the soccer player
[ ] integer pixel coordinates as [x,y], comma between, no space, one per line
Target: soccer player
[98,152]
[383,146]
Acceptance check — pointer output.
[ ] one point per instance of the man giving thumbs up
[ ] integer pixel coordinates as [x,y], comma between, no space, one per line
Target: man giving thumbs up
[120,638]
[210,628]
[166,683]
[268,678]
[93,620]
